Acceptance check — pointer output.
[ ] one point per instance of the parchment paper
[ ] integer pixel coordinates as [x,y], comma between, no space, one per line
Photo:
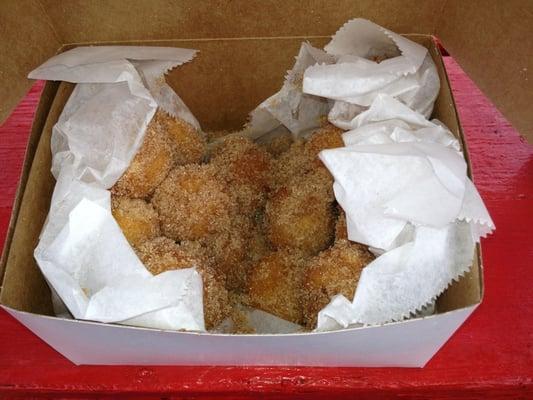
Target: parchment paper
[82,251]
[402,182]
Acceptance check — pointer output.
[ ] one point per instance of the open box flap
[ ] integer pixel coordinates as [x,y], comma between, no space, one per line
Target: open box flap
[27,38]
[489,39]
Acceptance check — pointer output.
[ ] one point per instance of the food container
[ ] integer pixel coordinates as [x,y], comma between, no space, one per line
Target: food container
[245,50]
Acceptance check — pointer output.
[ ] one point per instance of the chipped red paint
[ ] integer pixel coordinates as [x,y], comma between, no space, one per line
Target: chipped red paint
[489,357]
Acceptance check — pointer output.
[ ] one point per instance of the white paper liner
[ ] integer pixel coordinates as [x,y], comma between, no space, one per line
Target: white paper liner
[260,322]
[290,107]
[342,81]
[82,251]
[408,73]
[403,186]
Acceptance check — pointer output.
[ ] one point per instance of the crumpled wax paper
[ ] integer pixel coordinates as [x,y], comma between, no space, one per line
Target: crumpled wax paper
[259,322]
[82,252]
[290,108]
[402,182]
[342,80]
[408,73]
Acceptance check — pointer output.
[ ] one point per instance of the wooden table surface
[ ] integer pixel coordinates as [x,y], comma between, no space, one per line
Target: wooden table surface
[490,356]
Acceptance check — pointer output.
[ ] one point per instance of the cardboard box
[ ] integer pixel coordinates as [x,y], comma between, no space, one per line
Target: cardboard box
[246,47]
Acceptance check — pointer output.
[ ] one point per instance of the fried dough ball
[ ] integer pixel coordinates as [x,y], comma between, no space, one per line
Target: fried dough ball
[302,156]
[301,214]
[189,144]
[229,248]
[334,271]
[275,285]
[279,144]
[290,163]
[150,165]
[162,254]
[246,169]
[137,219]
[327,137]
[192,203]
[258,246]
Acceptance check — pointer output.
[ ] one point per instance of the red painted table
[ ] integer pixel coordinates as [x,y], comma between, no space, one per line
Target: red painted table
[490,356]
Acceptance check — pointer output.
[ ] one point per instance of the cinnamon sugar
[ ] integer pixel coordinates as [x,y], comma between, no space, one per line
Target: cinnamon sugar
[150,165]
[162,254]
[334,271]
[257,224]
[192,203]
[138,220]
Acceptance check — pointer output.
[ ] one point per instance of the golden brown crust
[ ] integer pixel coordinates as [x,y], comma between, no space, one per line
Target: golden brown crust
[192,203]
[162,254]
[334,271]
[327,137]
[275,285]
[228,249]
[230,215]
[138,220]
[292,162]
[302,156]
[150,165]
[301,214]
[245,167]
[189,144]
[258,245]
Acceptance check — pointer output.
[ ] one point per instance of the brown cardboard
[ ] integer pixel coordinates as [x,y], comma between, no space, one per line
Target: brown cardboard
[41,115]
[207,85]
[489,39]
[27,39]
[23,283]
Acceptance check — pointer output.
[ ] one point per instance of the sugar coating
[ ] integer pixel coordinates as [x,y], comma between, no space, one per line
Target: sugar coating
[245,167]
[258,245]
[290,163]
[275,285]
[327,137]
[189,144]
[228,248]
[301,214]
[334,271]
[150,165]
[162,254]
[137,218]
[192,203]
[302,156]
[250,220]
